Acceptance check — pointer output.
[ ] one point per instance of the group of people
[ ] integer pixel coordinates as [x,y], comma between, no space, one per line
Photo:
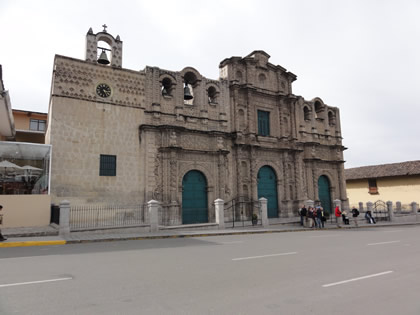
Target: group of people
[343,214]
[312,217]
[315,218]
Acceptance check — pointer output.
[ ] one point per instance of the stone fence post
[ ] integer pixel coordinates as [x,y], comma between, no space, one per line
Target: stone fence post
[309,203]
[337,203]
[219,206]
[415,209]
[390,210]
[153,207]
[64,227]
[369,206]
[398,206]
[264,217]
[360,206]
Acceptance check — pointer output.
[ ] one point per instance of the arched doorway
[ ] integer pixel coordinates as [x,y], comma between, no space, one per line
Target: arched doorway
[194,198]
[324,193]
[267,188]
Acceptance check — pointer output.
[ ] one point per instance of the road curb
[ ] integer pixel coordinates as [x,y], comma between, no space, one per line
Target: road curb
[151,237]
[135,238]
[32,243]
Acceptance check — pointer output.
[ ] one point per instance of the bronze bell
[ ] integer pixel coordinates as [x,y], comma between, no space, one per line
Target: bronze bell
[187,93]
[103,59]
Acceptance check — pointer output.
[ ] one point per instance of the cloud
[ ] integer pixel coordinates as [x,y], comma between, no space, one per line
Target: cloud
[361,56]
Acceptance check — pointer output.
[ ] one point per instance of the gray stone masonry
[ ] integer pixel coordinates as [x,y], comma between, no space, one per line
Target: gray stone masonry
[153,208]
[264,218]
[309,203]
[398,206]
[390,211]
[220,213]
[337,203]
[64,230]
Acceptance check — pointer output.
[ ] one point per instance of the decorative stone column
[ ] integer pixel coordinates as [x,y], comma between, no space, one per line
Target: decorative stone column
[337,203]
[390,210]
[398,206]
[219,205]
[309,203]
[360,206]
[153,207]
[64,227]
[369,206]
[264,217]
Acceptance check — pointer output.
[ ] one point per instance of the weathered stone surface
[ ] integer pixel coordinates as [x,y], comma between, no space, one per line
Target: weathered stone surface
[158,137]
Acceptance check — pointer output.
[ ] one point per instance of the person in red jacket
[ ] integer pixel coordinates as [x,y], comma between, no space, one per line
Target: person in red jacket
[337,215]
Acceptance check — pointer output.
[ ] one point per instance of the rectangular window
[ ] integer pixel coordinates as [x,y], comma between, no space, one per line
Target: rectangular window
[373,188]
[108,165]
[37,125]
[263,123]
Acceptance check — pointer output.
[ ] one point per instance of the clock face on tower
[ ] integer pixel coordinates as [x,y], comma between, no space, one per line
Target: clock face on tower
[103,90]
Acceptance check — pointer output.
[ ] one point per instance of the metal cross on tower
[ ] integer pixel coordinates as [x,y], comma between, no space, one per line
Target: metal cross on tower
[104,26]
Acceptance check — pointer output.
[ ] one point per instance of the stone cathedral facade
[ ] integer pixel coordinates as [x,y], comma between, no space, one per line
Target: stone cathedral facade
[125,136]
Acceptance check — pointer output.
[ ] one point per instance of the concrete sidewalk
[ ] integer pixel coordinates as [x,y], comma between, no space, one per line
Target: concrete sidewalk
[48,235]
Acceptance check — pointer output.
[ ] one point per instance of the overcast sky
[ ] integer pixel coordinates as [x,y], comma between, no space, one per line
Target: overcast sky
[361,56]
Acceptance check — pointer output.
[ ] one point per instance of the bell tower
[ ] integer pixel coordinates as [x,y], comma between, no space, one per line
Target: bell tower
[97,53]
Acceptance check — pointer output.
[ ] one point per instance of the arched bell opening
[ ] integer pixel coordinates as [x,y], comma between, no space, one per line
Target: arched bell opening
[166,88]
[190,81]
[104,53]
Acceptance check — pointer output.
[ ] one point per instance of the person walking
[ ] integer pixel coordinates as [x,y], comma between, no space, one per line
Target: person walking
[355,213]
[337,213]
[2,238]
[302,212]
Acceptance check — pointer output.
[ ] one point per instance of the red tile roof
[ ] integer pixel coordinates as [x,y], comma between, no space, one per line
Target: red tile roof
[384,170]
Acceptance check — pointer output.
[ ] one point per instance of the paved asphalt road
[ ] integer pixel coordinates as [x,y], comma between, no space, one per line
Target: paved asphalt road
[358,271]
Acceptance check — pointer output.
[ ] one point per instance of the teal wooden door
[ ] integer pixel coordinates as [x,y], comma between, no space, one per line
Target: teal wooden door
[194,198]
[324,193]
[267,188]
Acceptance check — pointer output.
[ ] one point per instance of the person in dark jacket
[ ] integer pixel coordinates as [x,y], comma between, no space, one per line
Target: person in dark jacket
[369,217]
[320,217]
[355,213]
[302,212]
